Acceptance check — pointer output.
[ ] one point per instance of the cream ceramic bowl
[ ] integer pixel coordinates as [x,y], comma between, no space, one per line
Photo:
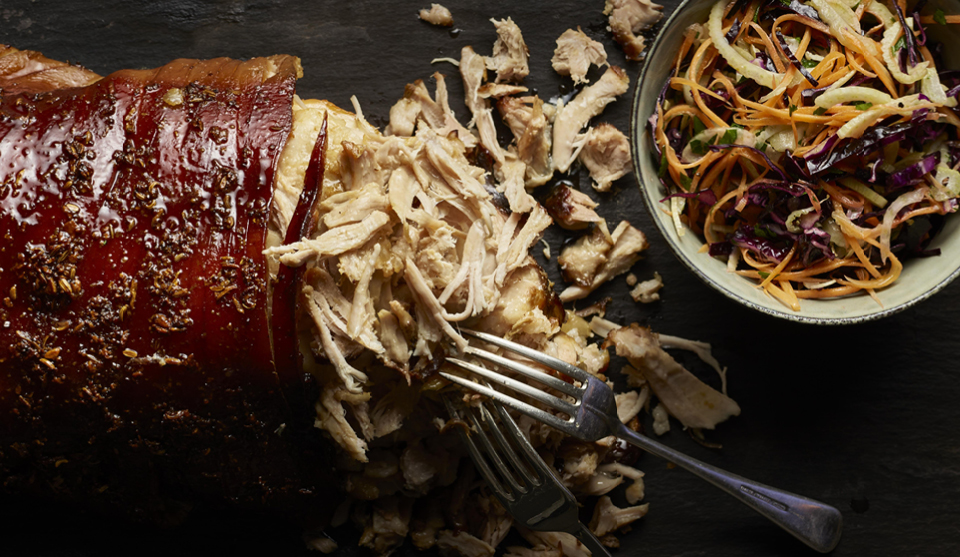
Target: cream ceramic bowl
[921,278]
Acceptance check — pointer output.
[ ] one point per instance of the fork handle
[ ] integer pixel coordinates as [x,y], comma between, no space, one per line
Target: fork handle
[814,523]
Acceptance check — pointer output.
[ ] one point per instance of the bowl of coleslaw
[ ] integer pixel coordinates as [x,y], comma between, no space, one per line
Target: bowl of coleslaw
[802,157]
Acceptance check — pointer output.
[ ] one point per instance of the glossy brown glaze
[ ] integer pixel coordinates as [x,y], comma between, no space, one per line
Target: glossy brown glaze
[134,350]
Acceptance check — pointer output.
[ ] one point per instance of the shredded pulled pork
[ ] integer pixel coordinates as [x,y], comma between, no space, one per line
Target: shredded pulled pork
[510,53]
[409,240]
[629,17]
[529,120]
[575,53]
[425,229]
[571,118]
[597,257]
[688,399]
[605,152]
[437,15]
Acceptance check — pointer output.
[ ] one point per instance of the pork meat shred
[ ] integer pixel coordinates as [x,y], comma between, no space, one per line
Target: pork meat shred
[473,70]
[463,544]
[688,399]
[532,129]
[417,107]
[570,208]
[538,551]
[629,17]
[597,257]
[571,118]
[575,53]
[568,544]
[607,517]
[510,53]
[437,15]
[605,151]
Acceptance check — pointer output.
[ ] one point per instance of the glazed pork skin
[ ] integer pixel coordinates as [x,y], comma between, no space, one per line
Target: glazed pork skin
[135,351]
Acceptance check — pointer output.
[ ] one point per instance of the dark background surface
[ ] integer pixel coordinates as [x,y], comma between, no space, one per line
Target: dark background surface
[866,418]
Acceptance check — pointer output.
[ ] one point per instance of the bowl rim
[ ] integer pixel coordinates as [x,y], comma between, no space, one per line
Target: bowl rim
[638,126]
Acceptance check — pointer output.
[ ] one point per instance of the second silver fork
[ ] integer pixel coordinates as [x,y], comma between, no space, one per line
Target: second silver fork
[591,412]
[526,487]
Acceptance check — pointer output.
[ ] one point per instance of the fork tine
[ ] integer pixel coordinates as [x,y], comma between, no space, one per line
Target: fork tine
[536,375]
[549,361]
[522,407]
[523,470]
[475,454]
[514,431]
[493,454]
[522,388]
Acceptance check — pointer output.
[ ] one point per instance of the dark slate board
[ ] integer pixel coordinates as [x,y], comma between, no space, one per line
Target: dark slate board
[865,418]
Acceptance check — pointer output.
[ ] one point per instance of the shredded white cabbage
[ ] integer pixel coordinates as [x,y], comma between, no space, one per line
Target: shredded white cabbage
[850,94]
[745,67]
[864,190]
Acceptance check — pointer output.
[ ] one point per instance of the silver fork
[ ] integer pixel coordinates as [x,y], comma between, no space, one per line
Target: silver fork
[527,488]
[592,415]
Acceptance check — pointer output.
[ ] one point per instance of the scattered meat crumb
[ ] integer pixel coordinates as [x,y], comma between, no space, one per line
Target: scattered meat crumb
[575,53]
[631,280]
[648,290]
[629,17]
[437,15]
[661,419]
[546,249]
[597,308]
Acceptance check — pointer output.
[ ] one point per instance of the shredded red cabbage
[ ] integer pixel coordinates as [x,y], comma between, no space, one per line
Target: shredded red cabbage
[913,174]
[784,48]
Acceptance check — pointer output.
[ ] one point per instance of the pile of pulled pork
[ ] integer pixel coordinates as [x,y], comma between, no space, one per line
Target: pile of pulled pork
[427,228]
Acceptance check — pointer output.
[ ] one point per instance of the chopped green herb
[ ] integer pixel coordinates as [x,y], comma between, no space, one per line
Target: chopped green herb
[901,42]
[756,15]
[761,146]
[738,126]
[742,80]
[685,182]
[793,108]
[939,17]
[763,274]
[663,165]
[808,63]
[820,111]
[729,137]
[697,147]
[763,232]
[864,106]
[698,126]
